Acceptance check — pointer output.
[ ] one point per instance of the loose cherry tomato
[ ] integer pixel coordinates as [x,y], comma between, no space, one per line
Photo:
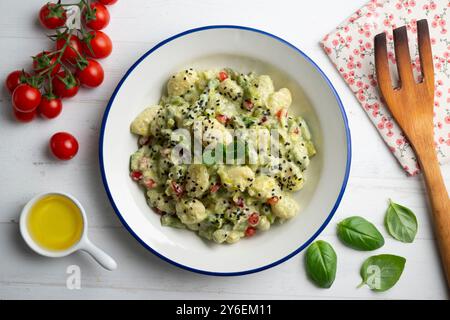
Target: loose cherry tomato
[97,45]
[281,113]
[24,116]
[26,98]
[52,16]
[50,106]
[46,60]
[214,188]
[107,2]
[142,141]
[177,189]
[223,76]
[253,219]
[248,105]
[250,232]
[91,75]
[65,85]
[63,145]
[136,175]
[239,202]
[14,79]
[222,118]
[273,200]
[73,50]
[149,183]
[96,16]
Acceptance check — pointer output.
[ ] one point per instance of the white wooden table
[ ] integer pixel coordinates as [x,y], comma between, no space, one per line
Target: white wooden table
[136,26]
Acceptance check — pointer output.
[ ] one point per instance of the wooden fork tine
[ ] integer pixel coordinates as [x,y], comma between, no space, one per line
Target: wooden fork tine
[426,56]
[403,57]
[382,65]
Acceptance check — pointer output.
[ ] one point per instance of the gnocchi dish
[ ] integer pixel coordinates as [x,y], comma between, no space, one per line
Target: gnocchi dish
[203,157]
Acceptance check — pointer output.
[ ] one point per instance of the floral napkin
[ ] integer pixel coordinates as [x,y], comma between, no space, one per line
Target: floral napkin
[350,48]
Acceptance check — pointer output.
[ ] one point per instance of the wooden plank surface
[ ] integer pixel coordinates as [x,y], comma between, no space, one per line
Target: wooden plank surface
[136,26]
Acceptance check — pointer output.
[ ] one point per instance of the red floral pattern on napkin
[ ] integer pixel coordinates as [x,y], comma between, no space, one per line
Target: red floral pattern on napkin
[350,48]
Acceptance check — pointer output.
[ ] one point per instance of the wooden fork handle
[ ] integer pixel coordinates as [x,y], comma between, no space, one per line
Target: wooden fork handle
[439,201]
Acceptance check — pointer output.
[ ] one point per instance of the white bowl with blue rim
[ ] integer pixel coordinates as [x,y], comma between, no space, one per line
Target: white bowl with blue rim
[243,49]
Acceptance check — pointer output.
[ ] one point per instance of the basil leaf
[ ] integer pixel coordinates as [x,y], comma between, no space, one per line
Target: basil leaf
[360,234]
[401,222]
[321,263]
[382,272]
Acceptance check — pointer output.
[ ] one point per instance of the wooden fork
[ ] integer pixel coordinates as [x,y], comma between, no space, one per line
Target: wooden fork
[411,104]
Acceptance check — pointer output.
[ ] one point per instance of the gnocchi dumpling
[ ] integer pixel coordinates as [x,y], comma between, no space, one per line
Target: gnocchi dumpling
[260,89]
[191,211]
[264,187]
[141,124]
[160,201]
[285,208]
[279,100]
[180,83]
[231,89]
[214,132]
[290,176]
[197,180]
[236,177]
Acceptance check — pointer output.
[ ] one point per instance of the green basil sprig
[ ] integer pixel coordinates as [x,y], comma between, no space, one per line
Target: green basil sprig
[401,222]
[321,263]
[360,234]
[382,272]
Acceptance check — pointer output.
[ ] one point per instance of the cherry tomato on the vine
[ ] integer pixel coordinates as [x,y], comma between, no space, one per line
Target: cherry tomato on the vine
[14,79]
[97,44]
[26,98]
[50,106]
[91,75]
[108,2]
[52,16]
[74,45]
[96,16]
[24,116]
[46,60]
[65,85]
[63,145]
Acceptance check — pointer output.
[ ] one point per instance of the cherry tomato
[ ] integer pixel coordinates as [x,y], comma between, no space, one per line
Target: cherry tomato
[97,45]
[50,106]
[70,53]
[92,74]
[24,116]
[14,79]
[250,232]
[222,118]
[239,202]
[107,2]
[273,200]
[280,114]
[52,16]
[136,175]
[253,219]
[96,17]
[142,141]
[45,60]
[26,98]
[178,189]
[65,85]
[63,145]
[149,183]
[248,105]
[223,76]
[215,187]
